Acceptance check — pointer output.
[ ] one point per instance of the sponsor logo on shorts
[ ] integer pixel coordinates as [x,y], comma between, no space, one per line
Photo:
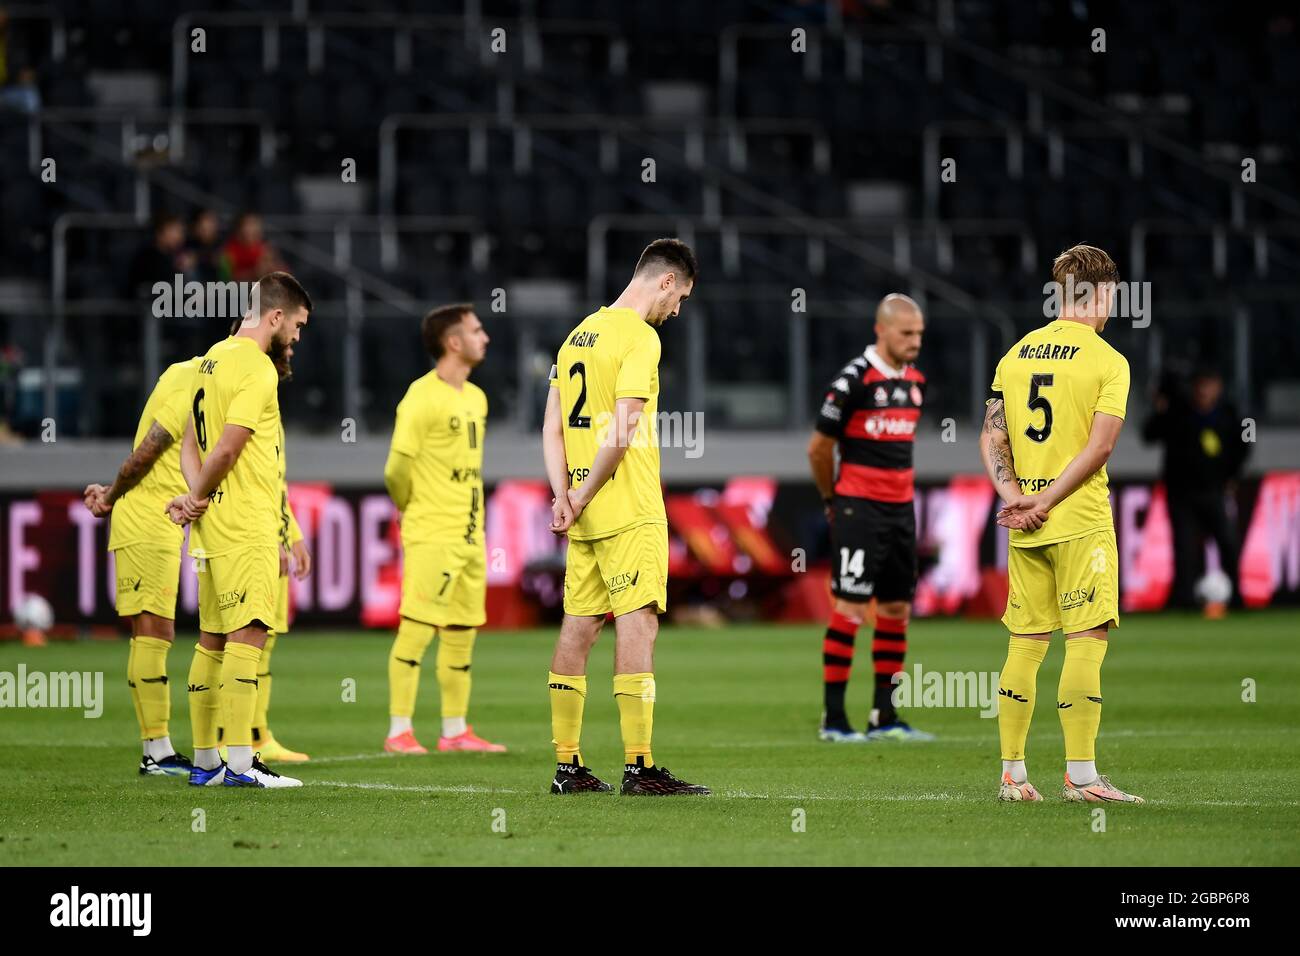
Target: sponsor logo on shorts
[1073,600]
[128,584]
[851,585]
[622,581]
[228,599]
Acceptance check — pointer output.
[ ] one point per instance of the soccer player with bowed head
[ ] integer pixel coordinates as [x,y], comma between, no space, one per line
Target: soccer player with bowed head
[870,412]
[602,461]
[434,474]
[295,558]
[230,457]
[1059,399]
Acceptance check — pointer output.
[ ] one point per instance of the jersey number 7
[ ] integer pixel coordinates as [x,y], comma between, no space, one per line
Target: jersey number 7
[1039,402]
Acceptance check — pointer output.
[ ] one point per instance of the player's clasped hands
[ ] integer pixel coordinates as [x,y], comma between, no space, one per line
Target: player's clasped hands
[1023,513]
[565,511]
[185,508]
[95,498]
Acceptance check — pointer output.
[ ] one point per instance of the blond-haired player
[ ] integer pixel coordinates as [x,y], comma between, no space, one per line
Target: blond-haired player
[1059,400]
[434,475]
[602,461]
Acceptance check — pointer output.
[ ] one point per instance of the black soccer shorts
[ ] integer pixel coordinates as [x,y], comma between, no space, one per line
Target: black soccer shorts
[873,550]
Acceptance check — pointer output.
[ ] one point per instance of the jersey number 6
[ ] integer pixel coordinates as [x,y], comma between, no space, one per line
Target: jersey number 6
[1039,402]
[200,426]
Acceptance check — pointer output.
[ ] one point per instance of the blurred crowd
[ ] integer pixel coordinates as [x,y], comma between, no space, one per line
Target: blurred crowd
[199,252]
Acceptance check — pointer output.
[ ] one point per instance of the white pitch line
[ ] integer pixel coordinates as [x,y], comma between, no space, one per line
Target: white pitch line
[342,758]
[411,788]
[794,797]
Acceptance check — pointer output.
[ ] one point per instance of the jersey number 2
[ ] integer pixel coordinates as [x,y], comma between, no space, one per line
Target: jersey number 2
[576,420]
[1039,402]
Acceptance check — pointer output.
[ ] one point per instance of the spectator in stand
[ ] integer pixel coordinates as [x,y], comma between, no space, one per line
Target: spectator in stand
[23,95]
[247,256]
[159,259]
[1203,455]
[204,246]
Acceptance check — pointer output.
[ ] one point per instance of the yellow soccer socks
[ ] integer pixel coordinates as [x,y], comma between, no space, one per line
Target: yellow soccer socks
[238,701]
[1017,686]
[404,672]
[260,720]
[135,690]
[205,706]
[455,654]
[1078,701]
[568,695]
[148,677]
[635,694]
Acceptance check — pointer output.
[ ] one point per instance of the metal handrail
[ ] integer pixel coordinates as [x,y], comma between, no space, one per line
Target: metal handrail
[128,117]
[1217,232]
[402,26]
[521,126]
[1038,85]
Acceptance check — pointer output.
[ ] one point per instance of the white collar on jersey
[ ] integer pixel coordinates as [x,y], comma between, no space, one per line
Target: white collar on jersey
[880,365]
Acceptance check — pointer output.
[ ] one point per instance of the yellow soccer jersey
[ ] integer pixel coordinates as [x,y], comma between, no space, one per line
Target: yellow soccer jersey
[290,533]
[140,514]
[236,384]
[1052,382]
[612,354]
[441,430]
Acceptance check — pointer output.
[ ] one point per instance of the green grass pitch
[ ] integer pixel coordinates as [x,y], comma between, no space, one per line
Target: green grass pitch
[737,710]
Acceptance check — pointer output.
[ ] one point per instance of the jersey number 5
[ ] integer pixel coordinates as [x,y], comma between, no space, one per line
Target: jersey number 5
[576,420]
[1038,402]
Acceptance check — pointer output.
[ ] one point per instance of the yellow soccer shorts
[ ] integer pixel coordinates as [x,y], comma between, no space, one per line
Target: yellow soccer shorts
[238,588]
[147,576]
[444,585]
[621,573]
[1069,586]
[281,623]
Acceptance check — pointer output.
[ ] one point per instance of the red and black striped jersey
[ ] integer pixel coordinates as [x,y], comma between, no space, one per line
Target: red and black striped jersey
[873,413]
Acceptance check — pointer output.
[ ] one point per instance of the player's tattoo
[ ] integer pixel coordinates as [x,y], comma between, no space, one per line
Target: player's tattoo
[156,441]
[1002,470]
[995,418]
[997,444]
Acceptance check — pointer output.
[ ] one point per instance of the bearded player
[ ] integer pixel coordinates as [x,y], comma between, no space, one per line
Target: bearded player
[146,548]
[1059,399]
[870,412]
[602,461]
[231,462]
[434,474]
[295,559]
